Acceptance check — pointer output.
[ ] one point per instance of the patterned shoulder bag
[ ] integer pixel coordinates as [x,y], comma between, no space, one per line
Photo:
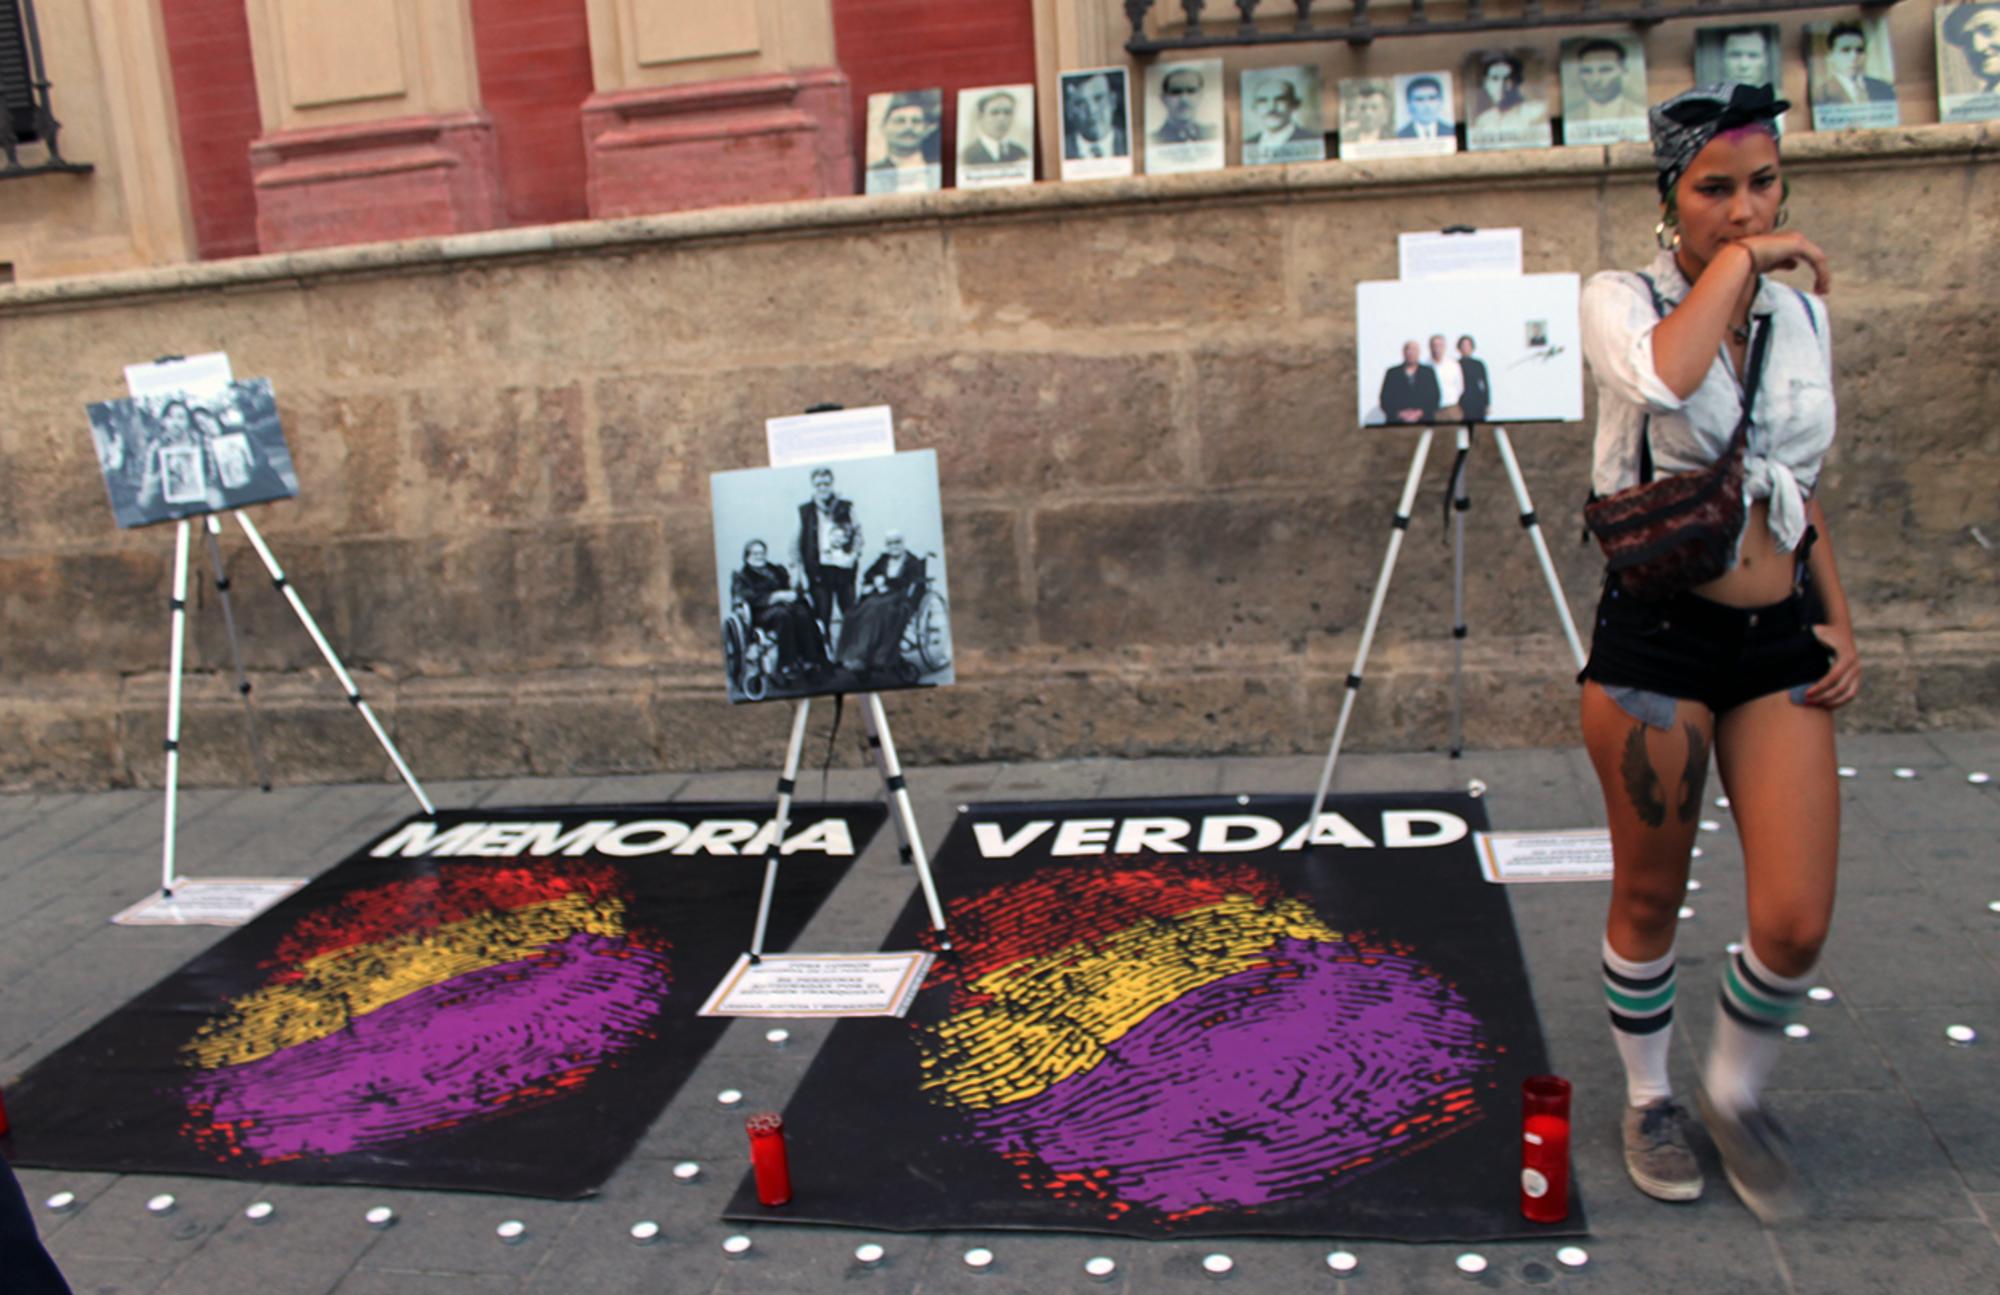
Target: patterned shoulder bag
[1670,534]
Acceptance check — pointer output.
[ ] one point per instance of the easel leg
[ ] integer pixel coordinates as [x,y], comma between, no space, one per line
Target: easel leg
[1534,530]
[899,794]
[1401,524]
[787,780]
[178,605]
[214,528]
[1460,501]
[903,851]
[332,659]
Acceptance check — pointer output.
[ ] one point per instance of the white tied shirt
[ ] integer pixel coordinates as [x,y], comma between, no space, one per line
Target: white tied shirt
[1791,425]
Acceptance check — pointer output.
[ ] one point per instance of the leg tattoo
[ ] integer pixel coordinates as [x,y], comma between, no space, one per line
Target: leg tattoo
[1696,775]
[1642,785]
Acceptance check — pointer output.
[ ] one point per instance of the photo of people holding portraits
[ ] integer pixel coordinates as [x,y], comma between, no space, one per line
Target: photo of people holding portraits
[182,453]
[1851,74]
[1507,100]
[1968,57]
[905,132]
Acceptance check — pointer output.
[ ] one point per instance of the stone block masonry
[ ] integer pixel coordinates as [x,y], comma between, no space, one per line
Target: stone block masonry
[1163,527]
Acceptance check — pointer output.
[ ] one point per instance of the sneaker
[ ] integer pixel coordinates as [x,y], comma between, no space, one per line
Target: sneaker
[1657,1154]
[1756,1159]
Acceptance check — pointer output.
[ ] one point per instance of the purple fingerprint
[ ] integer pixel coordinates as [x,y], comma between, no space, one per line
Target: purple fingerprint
[476,1045]
[1258,1086]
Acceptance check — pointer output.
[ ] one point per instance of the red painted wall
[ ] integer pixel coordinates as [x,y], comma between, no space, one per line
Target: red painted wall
[534,74]
[215,97]
[888,45]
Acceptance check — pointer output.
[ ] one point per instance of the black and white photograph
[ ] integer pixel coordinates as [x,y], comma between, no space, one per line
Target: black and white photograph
[175,454]
[1603,89]
[1851,73]
[1097,115]
[1446,351]
[1968,62]
[1282,119]
[831,577]
[1745,53]
[996,136]
[905,135]
[1184,117]
[1507,94]
[1367,115]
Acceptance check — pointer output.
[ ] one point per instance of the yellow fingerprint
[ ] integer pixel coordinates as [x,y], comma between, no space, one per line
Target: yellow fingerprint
[339,986]
[1054,1015]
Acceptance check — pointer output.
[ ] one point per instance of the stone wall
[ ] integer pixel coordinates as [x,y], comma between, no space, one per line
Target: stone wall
[1163,527]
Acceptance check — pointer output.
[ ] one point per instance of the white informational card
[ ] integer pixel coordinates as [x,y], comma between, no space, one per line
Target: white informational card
[1477,254]
[204,374]
[820,984]
[1579,854]
[217,901]
[825,438]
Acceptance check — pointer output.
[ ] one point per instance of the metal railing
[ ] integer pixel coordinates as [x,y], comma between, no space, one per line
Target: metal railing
[25,114]
[1353,21]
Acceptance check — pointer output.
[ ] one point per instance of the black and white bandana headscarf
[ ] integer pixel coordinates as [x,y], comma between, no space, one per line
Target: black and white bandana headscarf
[1683,125]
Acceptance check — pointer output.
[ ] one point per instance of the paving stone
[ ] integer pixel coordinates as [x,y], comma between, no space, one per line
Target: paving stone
[1951,1085]
[1891,1257]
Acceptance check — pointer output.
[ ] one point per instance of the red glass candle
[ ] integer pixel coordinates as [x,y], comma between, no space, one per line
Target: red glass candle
[1545,1149]
[768,1161]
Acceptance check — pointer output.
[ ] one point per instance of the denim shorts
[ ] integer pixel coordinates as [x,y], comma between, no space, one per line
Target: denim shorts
[1647,654]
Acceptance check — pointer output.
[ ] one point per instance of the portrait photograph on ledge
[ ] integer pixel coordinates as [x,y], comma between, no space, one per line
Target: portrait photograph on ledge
[1282,121]
[174,454]
[1603,89]
[905,133]
[1367,116]
[1184,117]
[831,577]
[1451,351]
[1968,62]
[996,136]
[1852,74]
[1747,54]
[1097,115]
[1507,96]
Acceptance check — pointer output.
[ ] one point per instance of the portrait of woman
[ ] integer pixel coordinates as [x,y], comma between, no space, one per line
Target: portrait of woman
[1747,665]
[778,607]
[871,638]
[1506,102]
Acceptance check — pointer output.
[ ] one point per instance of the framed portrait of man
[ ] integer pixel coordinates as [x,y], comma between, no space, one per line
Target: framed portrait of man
[996,136]
[1603,89]
[1968,62]
[1184,117]
[1746,53]
[905,136]
[1507,94]
[1097,115]
[1424,111]
[1367,115]
[1282,121]
[1851,74]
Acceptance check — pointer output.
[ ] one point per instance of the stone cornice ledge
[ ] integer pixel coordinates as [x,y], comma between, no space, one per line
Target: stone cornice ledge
[1974,142]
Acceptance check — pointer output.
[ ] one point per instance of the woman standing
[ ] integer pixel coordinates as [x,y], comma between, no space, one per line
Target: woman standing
[1750,664]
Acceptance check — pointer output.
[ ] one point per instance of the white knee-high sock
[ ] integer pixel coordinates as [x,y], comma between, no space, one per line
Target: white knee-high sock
[1640,996]
[1750,1018]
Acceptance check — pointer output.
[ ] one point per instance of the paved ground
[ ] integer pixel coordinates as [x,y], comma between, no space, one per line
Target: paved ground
[1900,1131]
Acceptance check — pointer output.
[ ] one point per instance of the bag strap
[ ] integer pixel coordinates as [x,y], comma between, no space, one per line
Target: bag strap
[1752,377]
[1646,423]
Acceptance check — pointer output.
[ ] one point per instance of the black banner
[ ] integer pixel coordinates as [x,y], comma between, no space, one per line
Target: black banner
[1184,1018]
[486,1000]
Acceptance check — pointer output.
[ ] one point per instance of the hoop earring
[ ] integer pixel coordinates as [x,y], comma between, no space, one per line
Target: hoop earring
[1667,235]
[1783,217]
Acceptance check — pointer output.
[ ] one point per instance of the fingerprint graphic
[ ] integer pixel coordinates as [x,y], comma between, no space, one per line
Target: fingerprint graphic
[423,1004]
[1185,1037]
